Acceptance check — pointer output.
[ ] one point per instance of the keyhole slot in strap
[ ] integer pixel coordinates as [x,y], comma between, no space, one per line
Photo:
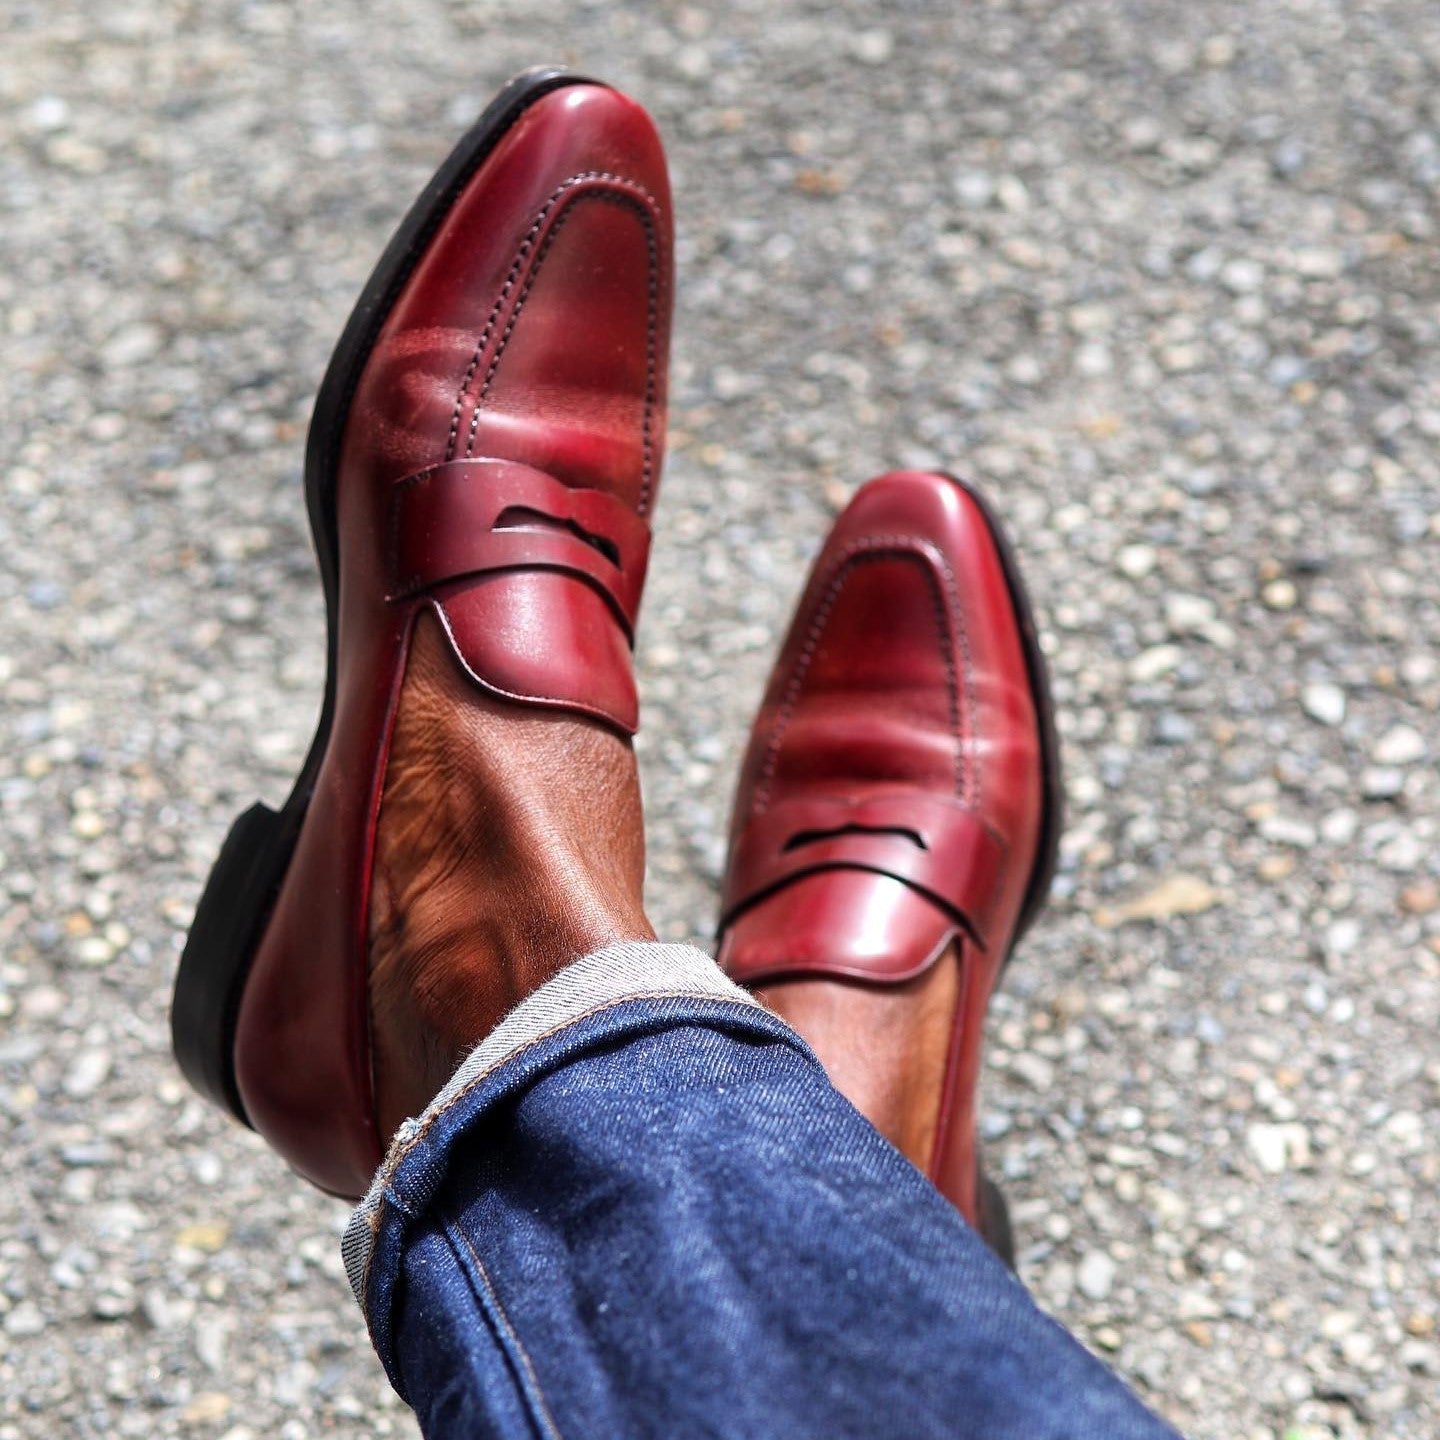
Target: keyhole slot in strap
[522,517]
[480,517]
[813,837]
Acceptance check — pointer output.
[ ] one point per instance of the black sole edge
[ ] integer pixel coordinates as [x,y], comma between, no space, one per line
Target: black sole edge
[994,1221]
[245,880]
[229,921]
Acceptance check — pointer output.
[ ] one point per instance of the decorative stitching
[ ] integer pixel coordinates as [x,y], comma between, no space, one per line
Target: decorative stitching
[652,362]
[541,255]
[652,310]
[536,226]
[952,627]
[971,776]
[652,246]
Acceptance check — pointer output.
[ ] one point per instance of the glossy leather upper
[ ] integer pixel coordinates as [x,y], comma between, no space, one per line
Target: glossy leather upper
[891,799]
[499,463]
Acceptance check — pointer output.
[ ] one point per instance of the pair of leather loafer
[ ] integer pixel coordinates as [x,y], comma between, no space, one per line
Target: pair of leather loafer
[487,447]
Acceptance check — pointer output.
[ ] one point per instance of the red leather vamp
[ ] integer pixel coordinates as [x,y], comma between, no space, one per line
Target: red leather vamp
[567,376]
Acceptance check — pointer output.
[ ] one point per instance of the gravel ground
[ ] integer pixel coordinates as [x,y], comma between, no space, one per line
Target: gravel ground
[1164,277]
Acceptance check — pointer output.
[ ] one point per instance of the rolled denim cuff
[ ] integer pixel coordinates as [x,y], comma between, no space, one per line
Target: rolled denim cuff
[614,976]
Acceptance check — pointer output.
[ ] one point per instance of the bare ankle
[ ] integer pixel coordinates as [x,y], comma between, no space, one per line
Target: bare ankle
[883,1053]
[509,843]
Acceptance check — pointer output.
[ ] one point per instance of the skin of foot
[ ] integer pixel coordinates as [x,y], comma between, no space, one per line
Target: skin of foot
[509,842]
[884,1052]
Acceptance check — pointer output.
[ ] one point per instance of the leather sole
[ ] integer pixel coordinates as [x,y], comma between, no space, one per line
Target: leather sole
[245,880]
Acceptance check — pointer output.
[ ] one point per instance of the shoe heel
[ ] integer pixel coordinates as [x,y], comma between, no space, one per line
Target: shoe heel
[224,935]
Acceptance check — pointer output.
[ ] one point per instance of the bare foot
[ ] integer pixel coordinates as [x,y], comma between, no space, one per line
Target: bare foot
[510,842]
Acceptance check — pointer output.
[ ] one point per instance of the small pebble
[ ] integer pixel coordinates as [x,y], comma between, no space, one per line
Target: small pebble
[1277,1148]
[1280,595]
[1095,1275]
[1324,703]
[24,1320]
[88,1072]
[872,47]
[1136,561]
[1155,663]
[1402,745]
[1288,830]
[1381,782]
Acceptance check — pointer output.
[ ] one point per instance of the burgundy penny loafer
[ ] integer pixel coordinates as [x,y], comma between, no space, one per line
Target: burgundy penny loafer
[900,797]
[486,447]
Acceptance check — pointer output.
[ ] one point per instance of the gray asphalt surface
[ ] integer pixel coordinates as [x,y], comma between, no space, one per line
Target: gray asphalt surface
[1163,276]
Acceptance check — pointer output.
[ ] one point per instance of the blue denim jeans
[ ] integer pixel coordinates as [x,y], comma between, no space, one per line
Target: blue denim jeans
[641,1209]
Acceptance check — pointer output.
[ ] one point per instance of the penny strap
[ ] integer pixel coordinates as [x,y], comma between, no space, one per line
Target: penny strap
[935,844]
[476,517]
